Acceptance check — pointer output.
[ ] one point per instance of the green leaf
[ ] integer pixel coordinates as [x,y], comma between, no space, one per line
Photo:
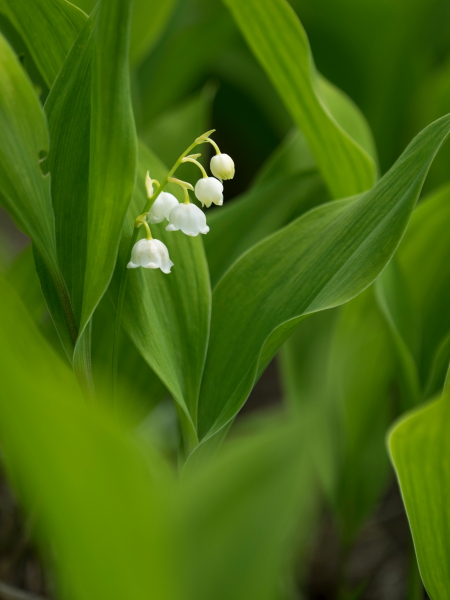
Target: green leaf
[241,515]
[321,260]
[112,164]
[149,20]
[68,109]
[156,303]
[361,371]
[196,35]
[48,27]
[420,446]
[346,167]
[25,191]
[255,215]
[98,504]
[178,126]
[413,292]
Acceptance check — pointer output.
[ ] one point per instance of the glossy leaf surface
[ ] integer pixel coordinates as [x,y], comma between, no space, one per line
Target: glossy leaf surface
[321,260]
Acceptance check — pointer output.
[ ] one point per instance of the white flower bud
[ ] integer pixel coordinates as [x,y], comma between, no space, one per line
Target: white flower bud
[150,254]
[161,207]
[189,218]
[148,185]
[222,166]
[209,190]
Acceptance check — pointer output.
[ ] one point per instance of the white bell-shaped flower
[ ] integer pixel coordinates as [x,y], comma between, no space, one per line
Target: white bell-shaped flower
[189,218]
[161,207]
[222,166]
[150,254]
[209,190]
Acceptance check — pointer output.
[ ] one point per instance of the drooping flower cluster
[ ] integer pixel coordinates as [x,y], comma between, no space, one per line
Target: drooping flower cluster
[186,217]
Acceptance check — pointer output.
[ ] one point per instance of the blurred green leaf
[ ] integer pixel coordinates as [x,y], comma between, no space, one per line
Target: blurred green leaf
[419,446]
[346,166]
[240,515]
[99,504]
[361,372]
[25,191]
[414,291]
[196,35]
[49,29]
[321,260]
[156,303]
[178,126]
[149,20]
[339,365]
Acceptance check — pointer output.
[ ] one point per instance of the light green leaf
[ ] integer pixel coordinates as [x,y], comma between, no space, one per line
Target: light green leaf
[48,27]
[420,447]
[241,515]
[112,164]
[24,190]
[346,167]
[99,503]
[321,260]
[156,303]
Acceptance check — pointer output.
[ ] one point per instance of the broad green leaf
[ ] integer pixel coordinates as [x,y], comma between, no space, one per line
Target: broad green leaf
[49,28]
[112,163]
[25,191]
[255,215]
[99,503]
[346,167]
[420,447]
[241,515]
[68,110]
[156,303]
[321,260]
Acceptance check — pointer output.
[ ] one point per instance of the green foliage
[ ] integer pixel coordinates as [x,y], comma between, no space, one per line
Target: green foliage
[120,423]
[419,450]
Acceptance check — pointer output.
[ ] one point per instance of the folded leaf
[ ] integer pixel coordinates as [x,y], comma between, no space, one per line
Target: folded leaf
[346,167]
[112,165]
[321,260]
